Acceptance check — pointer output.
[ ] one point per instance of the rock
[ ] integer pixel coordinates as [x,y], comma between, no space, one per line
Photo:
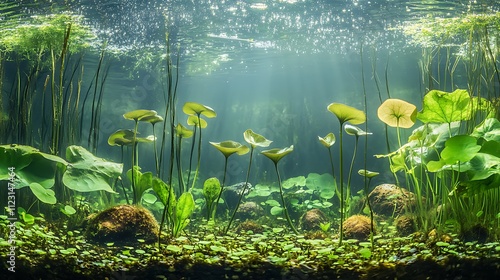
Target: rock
[122,224]
[249,225]
[406,225]
[312,219]
[389,200]
[357,227]
[249,210]
[477,232]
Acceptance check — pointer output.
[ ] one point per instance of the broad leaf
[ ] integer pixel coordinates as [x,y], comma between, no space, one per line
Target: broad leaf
[347,113]
[445,107]
[88,173]
[460,148]
[29,165]
[44,195]
[483,166]
[489,130]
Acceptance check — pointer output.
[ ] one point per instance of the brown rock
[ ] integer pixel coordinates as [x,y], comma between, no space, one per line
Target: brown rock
[122,224]
[389,199]
[357,227]
[312,219]
[249,210]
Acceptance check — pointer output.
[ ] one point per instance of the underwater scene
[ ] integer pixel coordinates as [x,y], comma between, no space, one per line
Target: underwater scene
[250,139]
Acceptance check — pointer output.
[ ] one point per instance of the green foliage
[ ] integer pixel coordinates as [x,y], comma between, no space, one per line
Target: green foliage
[446,107]
[29,164]
[87,173]
[25,216]
[345,113]
[46,33]
[325,226]
[183,210]
[431,32]
[143,182]
[162,191]
[44,195]
[324,184]
[211,191]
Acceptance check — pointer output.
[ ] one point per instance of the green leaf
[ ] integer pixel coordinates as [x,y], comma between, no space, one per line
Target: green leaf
[444,107]
[272,202]
[345,113]
[276,210]
[88,173]
[149,198]
[489,130]
[277,154]
[44,195]
[298,181]
[29,165]
[68,210]
[459,148]
[324,184]
[365,253]
[161,189]
[211,189]
[183,210]
[483,166]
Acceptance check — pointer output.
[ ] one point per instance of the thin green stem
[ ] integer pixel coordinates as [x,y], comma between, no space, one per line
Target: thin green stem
[341,156]
[285,210]
[221,188]
[242,192]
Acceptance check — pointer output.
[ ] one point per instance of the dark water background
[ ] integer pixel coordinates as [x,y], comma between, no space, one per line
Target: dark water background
[272,69]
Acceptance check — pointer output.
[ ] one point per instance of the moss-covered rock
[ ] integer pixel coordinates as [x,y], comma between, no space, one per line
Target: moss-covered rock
[312,219]
[357,227]
[122,224]
[389,199]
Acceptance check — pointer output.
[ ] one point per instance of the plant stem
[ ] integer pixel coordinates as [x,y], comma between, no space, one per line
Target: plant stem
[214,210]
[243,191]
[341,156]
[283,201]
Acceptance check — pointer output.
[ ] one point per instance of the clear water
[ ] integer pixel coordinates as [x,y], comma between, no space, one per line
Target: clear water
[272,66]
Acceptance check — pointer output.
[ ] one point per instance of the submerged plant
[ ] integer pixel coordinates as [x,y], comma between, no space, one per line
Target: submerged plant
[194,111]
[255,140]
[328,142]
[369,175]
[181,133]
[356,132]
[397,113]
[136,116]
[211,191]
[275,155]
[227,148]
[344,114]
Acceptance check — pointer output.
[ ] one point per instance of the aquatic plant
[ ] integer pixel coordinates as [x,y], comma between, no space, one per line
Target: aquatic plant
[254,140]
[37,45]
[356,132]
[227,148]
[211,191]
[181,133]
[183,209]
[154,120]
[194,111]
[458,48]
[344,114]
[136,116]
[81,172]
[311,192]
[397,113]
[328,142]
[369,174]
[275,155]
